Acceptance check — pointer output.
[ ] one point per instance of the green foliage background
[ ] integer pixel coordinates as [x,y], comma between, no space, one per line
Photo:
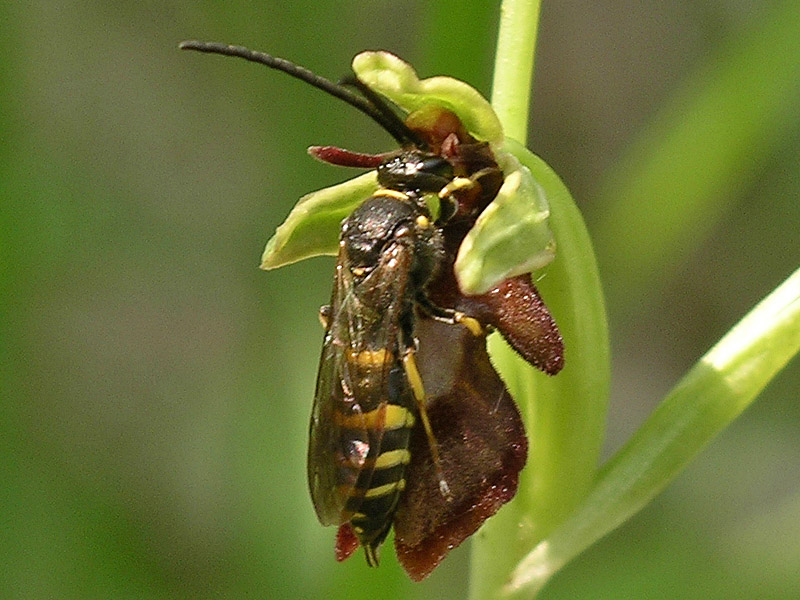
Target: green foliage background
[155,385]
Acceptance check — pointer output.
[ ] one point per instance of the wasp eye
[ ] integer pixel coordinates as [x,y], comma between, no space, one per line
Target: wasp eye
[436,165]
[415,170]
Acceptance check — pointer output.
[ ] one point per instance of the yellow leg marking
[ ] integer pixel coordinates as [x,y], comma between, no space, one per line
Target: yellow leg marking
[392,458]
[373,555]
[412,373]
[464,183]
[389,416]
[474,326]
[383,490]
[458,183]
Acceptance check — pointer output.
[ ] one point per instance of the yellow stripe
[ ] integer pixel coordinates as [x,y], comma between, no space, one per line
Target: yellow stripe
[392,458]
[387,193]
[383,490]
[390,416]
[371,358]
[398,417]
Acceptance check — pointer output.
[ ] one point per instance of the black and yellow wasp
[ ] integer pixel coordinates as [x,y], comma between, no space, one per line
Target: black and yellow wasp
[376,458]
[369,392]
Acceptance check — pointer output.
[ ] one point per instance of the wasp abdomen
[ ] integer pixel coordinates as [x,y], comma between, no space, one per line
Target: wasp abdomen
[374,505]
[375,450]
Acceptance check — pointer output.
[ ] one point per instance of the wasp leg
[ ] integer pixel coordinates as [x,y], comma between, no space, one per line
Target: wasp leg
[412,374]
[325,316]
[450,315]
[456,184]
[372,553]
[464,183]
[448,195]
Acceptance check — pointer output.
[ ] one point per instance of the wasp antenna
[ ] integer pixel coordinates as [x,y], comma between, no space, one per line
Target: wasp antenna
[381,114]
[385,109]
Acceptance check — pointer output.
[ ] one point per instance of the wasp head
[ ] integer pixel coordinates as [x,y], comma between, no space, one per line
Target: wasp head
[415,170]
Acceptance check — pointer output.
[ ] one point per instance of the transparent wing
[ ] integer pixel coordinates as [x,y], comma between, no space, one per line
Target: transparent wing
[360,349]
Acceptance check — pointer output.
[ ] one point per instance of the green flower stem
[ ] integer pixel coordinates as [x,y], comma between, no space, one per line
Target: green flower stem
[513,67]
[568,411]
[713,393]
[564,415]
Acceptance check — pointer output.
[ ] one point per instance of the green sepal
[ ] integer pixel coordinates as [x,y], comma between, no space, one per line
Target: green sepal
[312,228]
[394,78]
[511,236]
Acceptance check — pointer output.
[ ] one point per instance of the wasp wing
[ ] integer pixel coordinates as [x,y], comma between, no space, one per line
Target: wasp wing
[360,372]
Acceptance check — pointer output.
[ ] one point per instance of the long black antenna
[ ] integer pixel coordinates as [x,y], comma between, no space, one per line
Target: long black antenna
[371,105]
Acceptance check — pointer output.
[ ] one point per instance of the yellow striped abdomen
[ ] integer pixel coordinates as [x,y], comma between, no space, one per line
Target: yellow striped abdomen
[375,453]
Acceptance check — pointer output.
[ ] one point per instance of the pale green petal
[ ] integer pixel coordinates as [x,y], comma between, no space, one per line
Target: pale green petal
[312,228]
[511,236]
[397,80]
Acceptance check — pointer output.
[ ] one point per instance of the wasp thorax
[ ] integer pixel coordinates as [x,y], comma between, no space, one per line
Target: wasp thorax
[369,228]
[385,231]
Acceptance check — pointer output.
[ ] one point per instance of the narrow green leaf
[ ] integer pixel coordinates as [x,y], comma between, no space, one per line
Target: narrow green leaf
[714,392]
[312,228]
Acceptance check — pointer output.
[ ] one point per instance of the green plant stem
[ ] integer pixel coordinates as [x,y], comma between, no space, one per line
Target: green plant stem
[713,393]
[513,68]
[564,415]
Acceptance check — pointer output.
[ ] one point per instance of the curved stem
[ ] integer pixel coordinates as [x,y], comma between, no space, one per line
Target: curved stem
[712,394]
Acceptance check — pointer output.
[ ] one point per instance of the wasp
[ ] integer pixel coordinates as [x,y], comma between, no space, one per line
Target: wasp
[411,426]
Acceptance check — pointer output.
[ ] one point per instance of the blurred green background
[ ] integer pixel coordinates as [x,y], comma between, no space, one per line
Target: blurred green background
[156,384]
